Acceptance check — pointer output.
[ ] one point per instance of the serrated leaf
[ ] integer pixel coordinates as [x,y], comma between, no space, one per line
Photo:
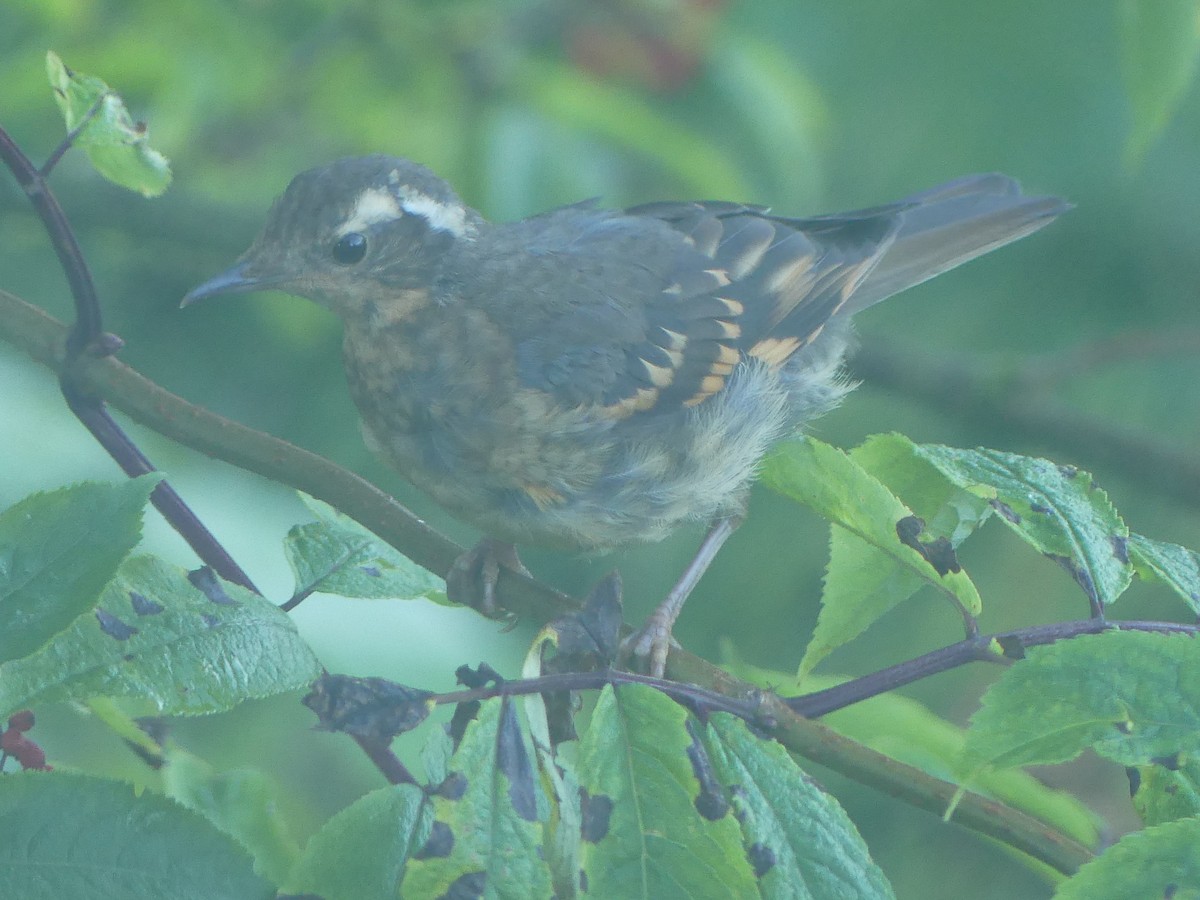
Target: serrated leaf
[1160,43]
[863,581]
[1156,863]
[1130,696]
[241,803]
[57,551]
[643,833]
[1176,567]
[838,488]
[1056,509]
[910,732]
[1167,791]
[118,147]
[361,853]
[336,555]
[488,817]
[64,835]
[156,638]
[800,841]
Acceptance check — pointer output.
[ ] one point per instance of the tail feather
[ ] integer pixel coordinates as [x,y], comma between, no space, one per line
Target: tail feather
[948,225]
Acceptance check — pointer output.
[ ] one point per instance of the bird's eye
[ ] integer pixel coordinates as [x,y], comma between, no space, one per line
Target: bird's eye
[350,248]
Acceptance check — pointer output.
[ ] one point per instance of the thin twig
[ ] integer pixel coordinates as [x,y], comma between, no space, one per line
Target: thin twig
[975,649]
[87,336]
[71,136]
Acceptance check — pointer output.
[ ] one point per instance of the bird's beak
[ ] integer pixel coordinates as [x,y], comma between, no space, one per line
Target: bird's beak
[237,280]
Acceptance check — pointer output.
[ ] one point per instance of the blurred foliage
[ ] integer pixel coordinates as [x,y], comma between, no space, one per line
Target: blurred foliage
[523,104]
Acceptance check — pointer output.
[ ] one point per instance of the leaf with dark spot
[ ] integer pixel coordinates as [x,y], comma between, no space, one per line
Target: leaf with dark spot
[594,814]
[589,638]
[454,786]
[368,707]
[909,530]
[1081,576]
[941,555]
[711,801]
[1013,646]
[372,571]
[762,858]
[474,679]
[1134,775]
[939,552]
[1039,508]
[143,605]
[513,760]
[1170,763]
[467,887]
[439,844]
[114,627]
[464,715]
[205,581]
[1120,545]
[1005,510]
[1068,472]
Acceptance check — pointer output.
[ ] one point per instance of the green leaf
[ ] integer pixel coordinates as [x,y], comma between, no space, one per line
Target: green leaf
[336,555]
[562,839]
[488,817]
[798,838]
[118,147]
[644,834]
[65,835]
[1130,696]
[1165,792]
[57,550]
[1158,862]
[1056,509]
[1160,42]
[565,94]
[908,731]
[158,639]
[361,853]
[1176,567]
[838,488]
[242,803]
[864,581]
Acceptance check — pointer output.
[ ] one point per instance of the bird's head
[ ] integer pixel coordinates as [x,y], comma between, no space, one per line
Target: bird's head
[356,231]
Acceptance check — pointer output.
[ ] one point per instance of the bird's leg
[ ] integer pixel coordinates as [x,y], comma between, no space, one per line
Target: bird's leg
[473,577]
[653,641]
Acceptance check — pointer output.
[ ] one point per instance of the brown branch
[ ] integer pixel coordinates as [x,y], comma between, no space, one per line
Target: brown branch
[41,337]
[86,338]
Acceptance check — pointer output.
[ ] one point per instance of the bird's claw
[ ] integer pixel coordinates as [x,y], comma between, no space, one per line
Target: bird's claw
[651,644]
[472,579]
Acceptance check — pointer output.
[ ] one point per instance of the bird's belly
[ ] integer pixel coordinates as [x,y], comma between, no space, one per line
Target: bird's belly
[528,472]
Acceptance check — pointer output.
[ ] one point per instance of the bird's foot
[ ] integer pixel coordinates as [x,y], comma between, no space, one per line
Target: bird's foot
[651,643]
[473,577]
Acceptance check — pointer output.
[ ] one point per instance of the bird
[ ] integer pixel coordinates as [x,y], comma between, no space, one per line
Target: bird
[590,377]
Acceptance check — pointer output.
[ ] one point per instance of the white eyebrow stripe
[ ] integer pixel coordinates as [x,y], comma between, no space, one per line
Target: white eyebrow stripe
[374,205]
[451,218]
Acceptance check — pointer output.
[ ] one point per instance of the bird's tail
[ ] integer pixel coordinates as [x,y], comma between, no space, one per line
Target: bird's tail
[948,225]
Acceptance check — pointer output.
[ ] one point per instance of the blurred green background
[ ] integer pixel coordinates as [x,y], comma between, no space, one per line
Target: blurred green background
[808,107]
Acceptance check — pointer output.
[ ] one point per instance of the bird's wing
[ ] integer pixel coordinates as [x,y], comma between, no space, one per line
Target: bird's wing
[661,303]
[660,316]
